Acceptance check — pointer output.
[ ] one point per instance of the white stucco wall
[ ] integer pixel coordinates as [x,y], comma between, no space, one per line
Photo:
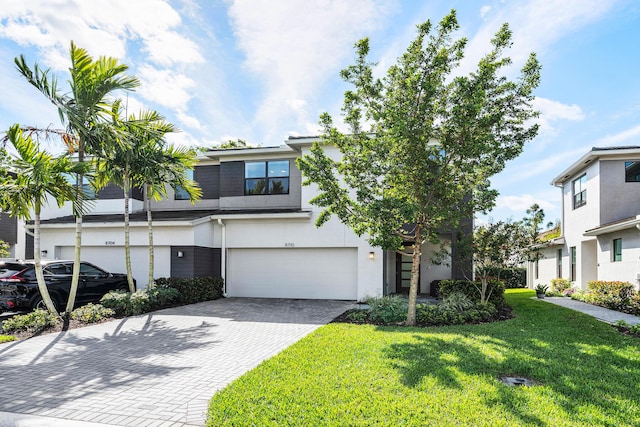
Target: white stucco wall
[626,270]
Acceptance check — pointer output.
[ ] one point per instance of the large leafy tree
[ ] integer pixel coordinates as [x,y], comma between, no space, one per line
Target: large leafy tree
[422,142]
[36,176]
[86,111]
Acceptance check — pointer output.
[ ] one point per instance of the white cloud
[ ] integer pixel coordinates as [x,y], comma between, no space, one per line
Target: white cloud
[297,46]
[189,121]
[523,202]
[484,10]
[165,87]
[552,111]
[619,138]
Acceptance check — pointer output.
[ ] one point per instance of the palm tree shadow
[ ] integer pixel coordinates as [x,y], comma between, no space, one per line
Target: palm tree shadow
[74,366]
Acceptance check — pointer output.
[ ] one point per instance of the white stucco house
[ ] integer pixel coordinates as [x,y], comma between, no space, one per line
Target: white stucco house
[254,227]
[600,237]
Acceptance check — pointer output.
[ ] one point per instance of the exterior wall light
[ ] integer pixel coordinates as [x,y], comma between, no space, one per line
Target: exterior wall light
[180,254]
[372,255]
[44,252]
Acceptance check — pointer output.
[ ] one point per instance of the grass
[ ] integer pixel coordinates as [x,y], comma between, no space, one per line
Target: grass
[363,375]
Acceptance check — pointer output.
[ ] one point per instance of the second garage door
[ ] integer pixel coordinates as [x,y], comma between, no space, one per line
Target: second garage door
[313,273]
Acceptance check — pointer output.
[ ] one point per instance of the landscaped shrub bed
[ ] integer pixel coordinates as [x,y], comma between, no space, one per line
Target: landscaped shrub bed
[495,290]
[193,290]
[614,295]
[455,309]
[512,277]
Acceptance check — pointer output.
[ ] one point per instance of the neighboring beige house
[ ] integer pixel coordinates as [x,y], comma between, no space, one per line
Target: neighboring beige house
[254,226]
[600,237]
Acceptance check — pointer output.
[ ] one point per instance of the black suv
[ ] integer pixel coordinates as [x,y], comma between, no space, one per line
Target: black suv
[19,287]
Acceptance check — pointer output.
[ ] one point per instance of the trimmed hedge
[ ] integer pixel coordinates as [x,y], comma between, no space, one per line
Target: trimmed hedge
[512,277]
[614,295]
[193,290]
[495,290]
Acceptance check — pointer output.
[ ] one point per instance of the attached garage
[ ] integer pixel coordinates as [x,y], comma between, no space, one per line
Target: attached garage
[304,273]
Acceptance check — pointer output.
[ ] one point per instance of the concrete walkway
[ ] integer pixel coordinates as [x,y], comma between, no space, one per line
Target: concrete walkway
[600,313]
[158,369]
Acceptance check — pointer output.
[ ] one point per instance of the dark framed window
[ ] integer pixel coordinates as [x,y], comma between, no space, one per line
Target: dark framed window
[573,255]
[270,177]
[180,193]
[537,269]
[632,171]
[579,191]
[616,254]
[559,257]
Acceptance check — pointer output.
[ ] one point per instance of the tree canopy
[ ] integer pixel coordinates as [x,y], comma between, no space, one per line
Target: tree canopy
[423,141]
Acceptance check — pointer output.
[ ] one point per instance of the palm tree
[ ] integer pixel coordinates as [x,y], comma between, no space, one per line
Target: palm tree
[119,162]
[36,176]
[159,166]
[86,112]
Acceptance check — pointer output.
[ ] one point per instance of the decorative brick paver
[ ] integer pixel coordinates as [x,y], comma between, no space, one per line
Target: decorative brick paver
[158,369]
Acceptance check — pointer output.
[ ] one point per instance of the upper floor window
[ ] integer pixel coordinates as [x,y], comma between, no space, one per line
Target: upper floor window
[270,177]
[632,171]
[616,254]
[579,191]
[180,193]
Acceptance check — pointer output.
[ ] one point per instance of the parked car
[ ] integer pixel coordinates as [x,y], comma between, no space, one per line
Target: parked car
[19,287]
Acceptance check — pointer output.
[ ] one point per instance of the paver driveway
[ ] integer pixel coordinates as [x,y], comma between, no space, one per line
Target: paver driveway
[158,369]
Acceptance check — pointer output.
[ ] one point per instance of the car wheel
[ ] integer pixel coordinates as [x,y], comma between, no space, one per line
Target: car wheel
[38,302]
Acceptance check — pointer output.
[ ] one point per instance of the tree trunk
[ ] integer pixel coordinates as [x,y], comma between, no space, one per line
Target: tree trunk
[75,278]
[415,276]
[42,286]
[127,247]
[151,284]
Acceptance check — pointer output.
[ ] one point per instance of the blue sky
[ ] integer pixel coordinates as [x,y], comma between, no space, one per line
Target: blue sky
[262,70]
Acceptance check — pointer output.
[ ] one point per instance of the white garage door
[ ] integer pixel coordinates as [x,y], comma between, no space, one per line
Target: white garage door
[327,273]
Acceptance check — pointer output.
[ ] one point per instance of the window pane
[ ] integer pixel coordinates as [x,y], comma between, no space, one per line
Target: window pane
[632,171]
[254,170]
[180,194]
[617,250]
[255,186]
[279,186]
[279,168]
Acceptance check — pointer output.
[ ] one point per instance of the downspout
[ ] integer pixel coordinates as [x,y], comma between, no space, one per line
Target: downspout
[223,257]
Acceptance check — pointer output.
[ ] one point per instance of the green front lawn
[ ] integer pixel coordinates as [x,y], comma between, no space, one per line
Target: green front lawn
[362,375]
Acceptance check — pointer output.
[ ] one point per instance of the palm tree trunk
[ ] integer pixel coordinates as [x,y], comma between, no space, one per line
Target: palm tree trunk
[415,276]
[75,278]
[127,247]
[42,286]
[151,284]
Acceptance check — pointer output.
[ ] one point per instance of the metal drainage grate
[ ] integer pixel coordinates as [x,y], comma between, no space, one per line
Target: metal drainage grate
[517,381]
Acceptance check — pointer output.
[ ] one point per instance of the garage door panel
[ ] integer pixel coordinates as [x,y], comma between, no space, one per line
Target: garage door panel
[314,273]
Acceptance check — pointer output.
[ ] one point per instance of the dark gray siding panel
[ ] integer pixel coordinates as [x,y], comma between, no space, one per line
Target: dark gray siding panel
[8,229]
[208,177]
[231,179]
[113,192]
[197,261]
[28,250]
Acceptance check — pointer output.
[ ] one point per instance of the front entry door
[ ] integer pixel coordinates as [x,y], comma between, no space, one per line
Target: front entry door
[403,273]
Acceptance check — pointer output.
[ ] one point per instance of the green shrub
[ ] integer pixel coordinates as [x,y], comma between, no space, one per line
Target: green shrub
[118,301]
[92,313]
[35,321]
[614,295]
[512,277]
[560,285]
[7,338]
[163,297]
[194,290]
[495,290]
[439,315]
[457,301]
[358,316]
[387,309]
[139,302]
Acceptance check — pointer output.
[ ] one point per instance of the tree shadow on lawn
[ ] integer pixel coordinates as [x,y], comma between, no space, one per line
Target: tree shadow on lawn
[58,369]
[581,361]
